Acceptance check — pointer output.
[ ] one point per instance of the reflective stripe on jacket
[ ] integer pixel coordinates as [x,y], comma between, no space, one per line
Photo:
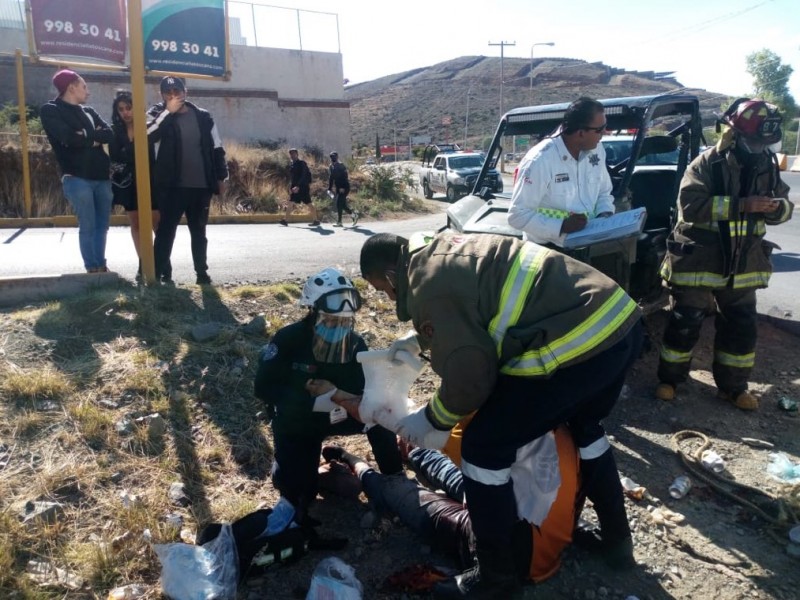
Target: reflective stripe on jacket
[497,305]
[714,243]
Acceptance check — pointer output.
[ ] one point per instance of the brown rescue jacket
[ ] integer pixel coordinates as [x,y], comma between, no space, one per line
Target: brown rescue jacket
[714,244]
[458,285]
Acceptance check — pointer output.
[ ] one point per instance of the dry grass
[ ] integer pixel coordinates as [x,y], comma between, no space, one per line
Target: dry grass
[258,183]
[77,371]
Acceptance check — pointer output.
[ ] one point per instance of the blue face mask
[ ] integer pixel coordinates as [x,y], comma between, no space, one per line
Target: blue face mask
[333,339]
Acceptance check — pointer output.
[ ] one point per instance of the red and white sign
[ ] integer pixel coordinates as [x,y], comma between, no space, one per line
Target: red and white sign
[86,29]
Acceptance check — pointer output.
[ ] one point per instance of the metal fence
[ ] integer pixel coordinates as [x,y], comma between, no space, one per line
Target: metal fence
[268,26]
[249,24]
[12,14]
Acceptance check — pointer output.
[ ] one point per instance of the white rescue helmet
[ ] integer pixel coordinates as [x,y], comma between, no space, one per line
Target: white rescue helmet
[331,292]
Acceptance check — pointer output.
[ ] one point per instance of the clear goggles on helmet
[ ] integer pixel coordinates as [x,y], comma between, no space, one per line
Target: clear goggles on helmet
[339,301]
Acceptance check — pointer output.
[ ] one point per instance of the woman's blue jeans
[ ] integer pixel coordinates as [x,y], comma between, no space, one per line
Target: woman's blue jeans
[91,200]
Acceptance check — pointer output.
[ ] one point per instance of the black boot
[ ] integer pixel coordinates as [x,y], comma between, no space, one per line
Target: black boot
[601,485]
[494,576]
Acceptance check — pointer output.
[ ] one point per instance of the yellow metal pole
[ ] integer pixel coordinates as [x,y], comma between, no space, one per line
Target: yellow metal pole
[23,135]
[141,155]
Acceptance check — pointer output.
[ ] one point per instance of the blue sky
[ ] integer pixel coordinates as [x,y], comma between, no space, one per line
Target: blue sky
[704,42]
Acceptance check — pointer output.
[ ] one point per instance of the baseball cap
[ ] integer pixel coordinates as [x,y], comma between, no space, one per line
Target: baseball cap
[63,79]
[172,83]
[334,155]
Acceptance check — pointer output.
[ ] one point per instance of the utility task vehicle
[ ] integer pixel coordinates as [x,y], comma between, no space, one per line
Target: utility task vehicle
[667,126]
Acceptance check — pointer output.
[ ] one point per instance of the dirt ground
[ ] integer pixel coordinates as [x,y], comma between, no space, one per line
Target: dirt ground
[721,550]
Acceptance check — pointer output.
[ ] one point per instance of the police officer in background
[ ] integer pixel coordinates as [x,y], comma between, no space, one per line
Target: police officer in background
[717,256]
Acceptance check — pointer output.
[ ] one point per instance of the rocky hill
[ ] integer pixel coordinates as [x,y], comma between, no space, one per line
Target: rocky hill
[461,97]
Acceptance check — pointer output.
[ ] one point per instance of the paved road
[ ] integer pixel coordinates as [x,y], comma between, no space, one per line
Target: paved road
[262,252]
[240,253]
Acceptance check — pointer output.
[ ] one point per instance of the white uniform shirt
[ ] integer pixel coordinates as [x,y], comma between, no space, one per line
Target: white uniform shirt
[551,184]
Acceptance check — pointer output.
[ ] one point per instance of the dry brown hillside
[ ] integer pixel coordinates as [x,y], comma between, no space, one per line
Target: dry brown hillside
[467,90]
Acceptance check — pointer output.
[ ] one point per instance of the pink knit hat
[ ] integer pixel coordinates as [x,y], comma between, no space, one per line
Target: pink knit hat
[63,79]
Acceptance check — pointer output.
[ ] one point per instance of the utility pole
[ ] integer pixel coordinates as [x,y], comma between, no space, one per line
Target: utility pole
[502,71]
[466,120]
[502,81]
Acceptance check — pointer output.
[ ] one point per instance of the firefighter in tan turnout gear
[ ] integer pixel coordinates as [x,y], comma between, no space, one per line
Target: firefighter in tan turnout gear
[528,338]
[717,256]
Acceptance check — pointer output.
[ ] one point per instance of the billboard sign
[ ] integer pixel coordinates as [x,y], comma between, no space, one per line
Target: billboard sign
[182,36]
[80,29]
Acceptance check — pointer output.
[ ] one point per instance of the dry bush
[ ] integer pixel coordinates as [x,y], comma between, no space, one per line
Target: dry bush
[258,182]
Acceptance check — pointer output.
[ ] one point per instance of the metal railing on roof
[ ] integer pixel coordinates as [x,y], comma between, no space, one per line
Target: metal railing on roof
[12,14]
[249,24]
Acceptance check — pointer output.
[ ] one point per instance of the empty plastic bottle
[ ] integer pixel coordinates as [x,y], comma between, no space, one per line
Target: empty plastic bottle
[712,461]
[680,487]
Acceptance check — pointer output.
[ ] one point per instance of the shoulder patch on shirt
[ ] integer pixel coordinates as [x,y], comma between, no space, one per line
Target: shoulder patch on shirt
[268,352]
[562,177]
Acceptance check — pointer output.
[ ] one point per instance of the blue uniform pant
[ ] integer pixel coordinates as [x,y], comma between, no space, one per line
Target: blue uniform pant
[295,471]
[521,410]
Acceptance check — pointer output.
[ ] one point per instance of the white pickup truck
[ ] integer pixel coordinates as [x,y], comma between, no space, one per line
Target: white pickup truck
[454,174]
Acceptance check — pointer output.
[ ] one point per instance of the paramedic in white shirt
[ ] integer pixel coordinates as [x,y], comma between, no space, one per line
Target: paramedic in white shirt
[563,181]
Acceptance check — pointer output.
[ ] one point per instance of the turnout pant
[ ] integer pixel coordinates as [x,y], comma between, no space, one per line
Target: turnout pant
[173,204]
[736,324]
[519,411]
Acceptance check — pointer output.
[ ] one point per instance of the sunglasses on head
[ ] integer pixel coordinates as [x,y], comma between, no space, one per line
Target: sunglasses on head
[600,129]
[338,300]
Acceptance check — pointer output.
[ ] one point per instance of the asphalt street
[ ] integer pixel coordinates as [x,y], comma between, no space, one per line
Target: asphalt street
[271,252]
[236,253]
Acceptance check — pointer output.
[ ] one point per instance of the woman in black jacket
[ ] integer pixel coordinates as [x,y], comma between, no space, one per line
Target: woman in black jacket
[123,169]
[322,345]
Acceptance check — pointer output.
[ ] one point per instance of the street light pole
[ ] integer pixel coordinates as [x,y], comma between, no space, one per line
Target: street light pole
[530,99]
[502,81]
[466,120]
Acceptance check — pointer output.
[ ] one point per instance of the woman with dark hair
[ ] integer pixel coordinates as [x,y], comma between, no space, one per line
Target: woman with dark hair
[123,174]
[321,346]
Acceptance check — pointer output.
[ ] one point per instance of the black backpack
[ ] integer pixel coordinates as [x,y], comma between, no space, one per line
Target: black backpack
[257,551]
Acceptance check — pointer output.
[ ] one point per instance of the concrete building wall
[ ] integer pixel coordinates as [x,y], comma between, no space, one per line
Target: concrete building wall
[274,95]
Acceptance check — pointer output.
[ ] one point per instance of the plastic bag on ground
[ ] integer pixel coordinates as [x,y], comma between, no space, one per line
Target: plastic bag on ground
[387,383]
[334,579]
[783,469]
[207,572]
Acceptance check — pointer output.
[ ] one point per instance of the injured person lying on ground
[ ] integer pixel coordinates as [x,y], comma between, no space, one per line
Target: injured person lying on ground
[548,507]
